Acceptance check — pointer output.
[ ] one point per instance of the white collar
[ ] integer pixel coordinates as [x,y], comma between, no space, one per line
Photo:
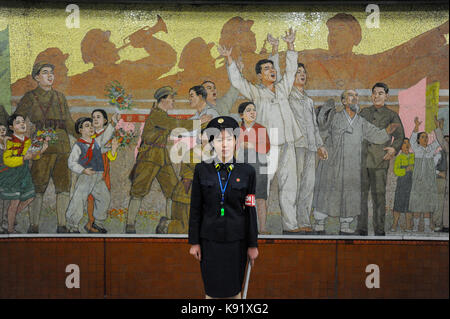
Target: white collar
[22,139]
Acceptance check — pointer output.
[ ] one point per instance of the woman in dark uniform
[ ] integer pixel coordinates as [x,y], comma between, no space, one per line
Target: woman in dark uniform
[222,223]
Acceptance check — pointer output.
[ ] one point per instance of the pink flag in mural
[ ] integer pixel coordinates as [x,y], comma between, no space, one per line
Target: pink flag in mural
[412,103]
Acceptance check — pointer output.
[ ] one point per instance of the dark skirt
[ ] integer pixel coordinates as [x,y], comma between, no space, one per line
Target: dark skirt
[16,183]
[403,193]
[223,267]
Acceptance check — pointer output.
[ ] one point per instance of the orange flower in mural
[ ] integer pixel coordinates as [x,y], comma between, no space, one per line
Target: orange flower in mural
[118,97]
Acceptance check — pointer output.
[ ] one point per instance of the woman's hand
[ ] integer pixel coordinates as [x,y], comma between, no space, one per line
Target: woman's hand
[195,251]
[252,253]
[416,124]
[115,118]
[114,146]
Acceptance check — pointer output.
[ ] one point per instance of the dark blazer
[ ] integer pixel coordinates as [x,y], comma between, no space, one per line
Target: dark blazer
[239,221]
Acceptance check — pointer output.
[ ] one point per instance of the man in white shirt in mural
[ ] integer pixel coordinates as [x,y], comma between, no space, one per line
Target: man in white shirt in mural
[303,108]
[274,112]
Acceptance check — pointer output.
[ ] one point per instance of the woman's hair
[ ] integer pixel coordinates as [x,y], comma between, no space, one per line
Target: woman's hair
[243,106]
[418,136]
[105,116]
[10,122]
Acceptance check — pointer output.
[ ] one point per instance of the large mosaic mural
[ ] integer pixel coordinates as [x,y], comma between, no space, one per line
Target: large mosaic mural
[344,113]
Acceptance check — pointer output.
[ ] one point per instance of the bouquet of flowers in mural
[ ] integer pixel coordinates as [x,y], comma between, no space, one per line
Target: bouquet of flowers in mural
[118,97]
[125,133]
[46,134]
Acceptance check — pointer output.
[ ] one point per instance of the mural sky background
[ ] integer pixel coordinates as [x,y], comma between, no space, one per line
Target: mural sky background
[32,30]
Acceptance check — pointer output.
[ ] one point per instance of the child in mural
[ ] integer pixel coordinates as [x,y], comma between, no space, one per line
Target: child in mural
[86,160]
[253,146]
[3,204]
[102,128]
[424,198]
[16,183]
[403,169]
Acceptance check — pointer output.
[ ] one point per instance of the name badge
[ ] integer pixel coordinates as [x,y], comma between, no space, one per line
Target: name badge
[250,200]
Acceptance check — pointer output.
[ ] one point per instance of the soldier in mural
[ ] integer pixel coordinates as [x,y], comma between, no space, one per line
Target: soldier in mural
[96,48]
[51,55]
[375,160]
[338,182]
[275,114]
[181,198]
[153,160]
[47,108]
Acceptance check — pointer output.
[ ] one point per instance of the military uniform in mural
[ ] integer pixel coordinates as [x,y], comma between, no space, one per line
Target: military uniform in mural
[181,199]
[153,160]
[49,109]
[3,115]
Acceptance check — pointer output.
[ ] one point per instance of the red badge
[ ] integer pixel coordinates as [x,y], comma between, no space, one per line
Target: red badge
[250,200]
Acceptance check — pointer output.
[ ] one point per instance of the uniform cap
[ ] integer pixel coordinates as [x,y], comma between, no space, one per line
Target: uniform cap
[38,66]
[163,91]
[218,124]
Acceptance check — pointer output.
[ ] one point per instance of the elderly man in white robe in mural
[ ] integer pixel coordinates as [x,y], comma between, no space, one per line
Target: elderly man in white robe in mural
[337,190]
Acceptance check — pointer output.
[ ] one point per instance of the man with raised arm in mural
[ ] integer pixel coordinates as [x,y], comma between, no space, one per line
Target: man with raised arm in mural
[274,112]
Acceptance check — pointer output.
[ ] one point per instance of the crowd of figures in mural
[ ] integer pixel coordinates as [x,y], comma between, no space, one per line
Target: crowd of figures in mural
[329,159]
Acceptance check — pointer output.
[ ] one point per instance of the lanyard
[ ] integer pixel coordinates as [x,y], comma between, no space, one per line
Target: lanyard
[222,190]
